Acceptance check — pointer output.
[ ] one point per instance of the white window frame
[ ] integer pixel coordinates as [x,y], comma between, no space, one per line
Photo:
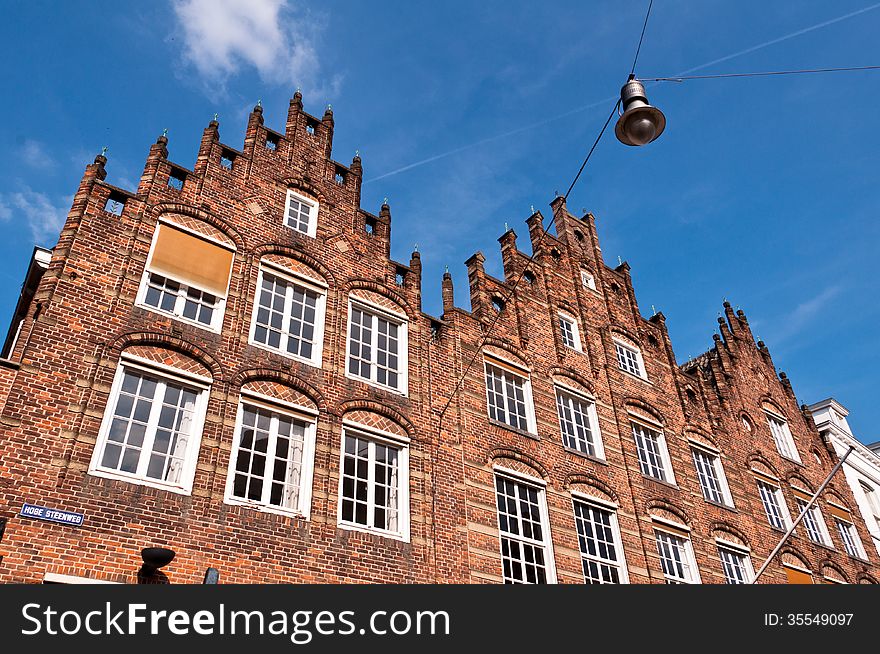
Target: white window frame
[547,542]
[632,349]
[668,473]
[737,550]
[320,313]
[302,414]
[313,205]
[402,323]
[592,420]
[510,368]
[572,322]
[682,533]
[815,516]
[177,313]
[853,545]
[588,280]
[620,564]
[717,467]
[201,385]
[782,436]
[402,445]
[872,501]
[776,490]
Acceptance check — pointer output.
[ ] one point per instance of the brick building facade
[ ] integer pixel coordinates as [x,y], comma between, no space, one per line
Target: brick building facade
[226,362]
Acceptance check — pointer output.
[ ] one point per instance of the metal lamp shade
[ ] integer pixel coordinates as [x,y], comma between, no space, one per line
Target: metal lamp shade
[640,123]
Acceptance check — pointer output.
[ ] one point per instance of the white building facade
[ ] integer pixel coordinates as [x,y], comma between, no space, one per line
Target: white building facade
[861,468]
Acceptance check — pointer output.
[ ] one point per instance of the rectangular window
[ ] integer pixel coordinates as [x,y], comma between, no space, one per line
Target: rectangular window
[653,457]
[578,423]
[599,539]
[374,480]
[587,280]
[736,564]
[813,522]
[569,330]
[783,438]
[377,348]
[524,536]
[289,317]
[187,277]
[509,397]
[271,461]
[711,475]
[301,214]
[676,558]
[629,359]
[151,430]
[774,505]
[851,541]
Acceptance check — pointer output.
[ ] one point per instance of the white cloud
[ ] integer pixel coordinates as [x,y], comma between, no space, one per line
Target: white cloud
[42,216]
[222,37]
[34,155]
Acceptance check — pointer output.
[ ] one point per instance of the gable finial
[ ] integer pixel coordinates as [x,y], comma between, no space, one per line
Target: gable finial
[215,116]
[104,151]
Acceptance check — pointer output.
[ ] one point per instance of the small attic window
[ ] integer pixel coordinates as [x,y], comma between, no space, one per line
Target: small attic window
[435,330]
[556,254]
[271,142]
[399,277]
[310,127]
[339,177]
[227,159]
[579,235]
[497,304]
[115,203]
[176,179]
[370,226]
[529,276]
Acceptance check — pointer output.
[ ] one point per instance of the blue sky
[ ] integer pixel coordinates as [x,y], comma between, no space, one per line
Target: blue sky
[763,190]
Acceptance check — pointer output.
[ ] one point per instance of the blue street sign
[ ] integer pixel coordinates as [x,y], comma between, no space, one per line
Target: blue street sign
[52,515]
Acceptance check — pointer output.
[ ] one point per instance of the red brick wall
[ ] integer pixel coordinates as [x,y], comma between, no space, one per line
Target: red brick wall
[70,350]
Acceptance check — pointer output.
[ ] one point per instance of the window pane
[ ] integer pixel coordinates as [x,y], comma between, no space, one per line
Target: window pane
[649,450]
[522,540]
[597,544]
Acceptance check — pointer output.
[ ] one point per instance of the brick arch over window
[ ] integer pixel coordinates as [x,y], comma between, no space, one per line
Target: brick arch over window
[198,219]
[572,379]
[507,350]
[279,385]
[833,571]
[666,510]
[164,342]
[759,463]
[701,436]
[592,486]
[791,556]
[287,257]
[867,579]
[795,480]
[373,414]
[832,496]
[726,531]
[518,461]
[769,404]
[641,409]
[626,337]
[299,185]
[379,294]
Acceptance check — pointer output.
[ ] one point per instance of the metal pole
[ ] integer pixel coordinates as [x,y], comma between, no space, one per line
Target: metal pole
[803,513]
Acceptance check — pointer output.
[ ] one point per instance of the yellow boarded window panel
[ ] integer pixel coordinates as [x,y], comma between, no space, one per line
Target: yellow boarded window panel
[191,260]
[798,576]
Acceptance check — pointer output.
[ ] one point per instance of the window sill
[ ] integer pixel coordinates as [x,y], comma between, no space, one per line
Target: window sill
[639,377]
[262,508]
[584,455]
[368,382]
[185,321]
[138,481]
[660,481]
[315,363]
[515,430]
[721,505]
[375,532]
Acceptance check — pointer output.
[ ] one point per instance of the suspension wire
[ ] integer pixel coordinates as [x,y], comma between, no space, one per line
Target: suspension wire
[536,248]
[642,37]
[803,71]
